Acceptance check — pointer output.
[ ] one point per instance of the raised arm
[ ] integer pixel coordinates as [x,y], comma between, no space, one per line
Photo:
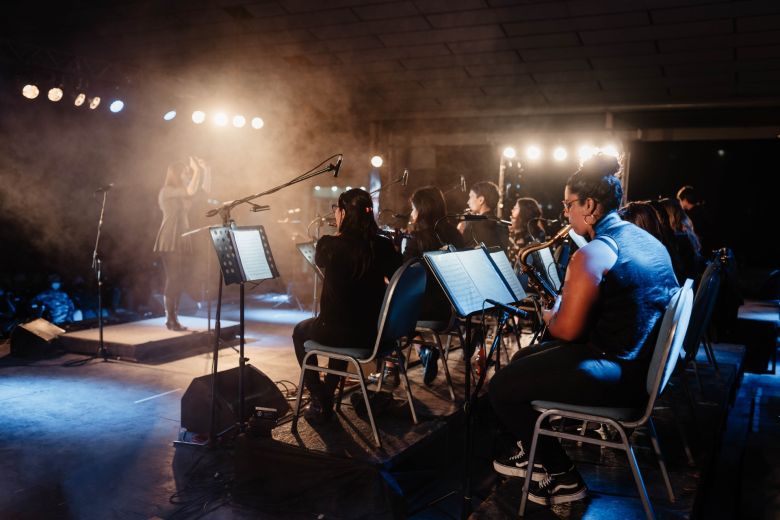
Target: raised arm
[192,187]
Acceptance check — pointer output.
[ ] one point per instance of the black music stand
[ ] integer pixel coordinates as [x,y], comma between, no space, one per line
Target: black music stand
[308,251]
[474,281]
[244,255]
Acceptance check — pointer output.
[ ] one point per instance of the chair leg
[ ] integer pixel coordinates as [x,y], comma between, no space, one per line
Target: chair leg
[381,375]
[640,484]
[443,359]
[661,460]
[531,460]
[407,388]
[683,437]
[341,393]
[363,389]
[297,412]
[711,355]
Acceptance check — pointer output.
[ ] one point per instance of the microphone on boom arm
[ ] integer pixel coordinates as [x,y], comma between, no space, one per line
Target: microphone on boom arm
[105,188]
[335,168]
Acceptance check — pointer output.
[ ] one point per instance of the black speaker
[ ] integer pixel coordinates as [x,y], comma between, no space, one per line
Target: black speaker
[259,390]
[35,338]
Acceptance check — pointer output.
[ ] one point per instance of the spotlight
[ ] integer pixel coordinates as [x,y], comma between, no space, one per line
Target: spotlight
[80,99]
[94,102]
[509,152]
[585,152]
[377,161]
[116,106]
[55,94]
[334,188]
[316,188]
[239,121]
[30,91]
[198,117]
[610,149]
[169,115]
[220,119]
[560,153]
[257,123]
[533,152]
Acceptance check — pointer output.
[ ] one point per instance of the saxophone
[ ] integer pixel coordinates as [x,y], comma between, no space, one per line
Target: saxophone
[535,279]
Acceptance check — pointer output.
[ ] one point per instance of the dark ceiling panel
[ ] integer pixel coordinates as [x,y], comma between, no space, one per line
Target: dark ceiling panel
[656,32]
[538,11]
[632,19]
[482,32]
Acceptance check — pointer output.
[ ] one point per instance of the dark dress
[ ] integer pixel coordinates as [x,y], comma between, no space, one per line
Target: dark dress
[350,301]
[435,306]
[173,248]
[608,365]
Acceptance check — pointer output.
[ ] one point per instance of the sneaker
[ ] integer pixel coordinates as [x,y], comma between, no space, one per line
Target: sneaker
[430,361]
[516,465]
[558,489]
[319,410]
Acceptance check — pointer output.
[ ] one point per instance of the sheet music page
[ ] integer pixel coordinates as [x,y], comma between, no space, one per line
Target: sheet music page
[549,268]
[461,290]
[484,276]
[251,253]
[502,262]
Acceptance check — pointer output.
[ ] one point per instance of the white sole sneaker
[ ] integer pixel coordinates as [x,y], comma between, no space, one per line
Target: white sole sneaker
[514,471]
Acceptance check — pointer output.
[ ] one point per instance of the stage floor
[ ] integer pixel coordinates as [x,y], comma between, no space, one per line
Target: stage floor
[83,438]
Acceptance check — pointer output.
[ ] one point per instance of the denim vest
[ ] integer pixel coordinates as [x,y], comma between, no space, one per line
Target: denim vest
[634,292]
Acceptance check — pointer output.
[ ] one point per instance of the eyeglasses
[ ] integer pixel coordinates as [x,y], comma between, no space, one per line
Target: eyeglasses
[567,203]
[334,207]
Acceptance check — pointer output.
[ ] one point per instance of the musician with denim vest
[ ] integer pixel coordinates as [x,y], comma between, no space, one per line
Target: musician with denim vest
[605,322]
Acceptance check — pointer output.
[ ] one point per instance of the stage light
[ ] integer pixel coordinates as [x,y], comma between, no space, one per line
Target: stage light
[169,115]
[116,106]
[257,123]
[349,188]
[334,188]
[363,188]
[509,152]
[316,188]
[533,152]
[94,102]
[560,153]
[585,152]
[610,149]
[80,99]
[239,121]
[55,94]
[377,161]
[198,117]
[30,91]
[220,119]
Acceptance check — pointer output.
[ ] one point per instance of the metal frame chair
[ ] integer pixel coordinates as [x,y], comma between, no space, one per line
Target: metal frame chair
[665,355]
[397,320]
[436,329]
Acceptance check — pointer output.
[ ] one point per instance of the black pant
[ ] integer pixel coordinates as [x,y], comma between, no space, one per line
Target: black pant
[314,329]
[564,372]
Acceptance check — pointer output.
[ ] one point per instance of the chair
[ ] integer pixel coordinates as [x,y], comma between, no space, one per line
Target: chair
[665,355]
[703,307]
[397,320]
[436,329]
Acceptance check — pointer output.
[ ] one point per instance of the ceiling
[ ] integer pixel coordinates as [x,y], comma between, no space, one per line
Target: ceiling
[440,58]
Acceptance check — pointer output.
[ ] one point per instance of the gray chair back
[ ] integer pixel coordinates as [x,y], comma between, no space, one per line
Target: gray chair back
[401,306]
[703,306]
[670,341]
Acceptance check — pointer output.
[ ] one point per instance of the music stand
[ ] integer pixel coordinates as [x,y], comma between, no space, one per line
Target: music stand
[308,251]
[244,255]
[206,292]
[473,282]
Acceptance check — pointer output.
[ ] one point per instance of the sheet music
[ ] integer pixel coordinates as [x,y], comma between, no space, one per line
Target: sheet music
[502,262]
[249,247]
[549,268]
[580,240]
[459,285]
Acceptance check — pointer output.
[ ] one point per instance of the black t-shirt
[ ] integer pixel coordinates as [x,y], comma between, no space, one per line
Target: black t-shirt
[487,231]
[435,305]
[351,300]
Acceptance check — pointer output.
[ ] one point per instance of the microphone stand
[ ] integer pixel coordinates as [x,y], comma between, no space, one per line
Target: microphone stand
[224,213]
[97,266]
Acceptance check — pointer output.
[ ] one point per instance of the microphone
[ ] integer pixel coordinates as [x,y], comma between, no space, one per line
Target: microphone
[105,188]
[470,216]
[508,308]
[335,168]
[463,184]
[405,177]
[256,208]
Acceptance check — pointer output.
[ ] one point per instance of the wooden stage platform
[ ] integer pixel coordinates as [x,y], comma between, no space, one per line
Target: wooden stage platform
[148,341]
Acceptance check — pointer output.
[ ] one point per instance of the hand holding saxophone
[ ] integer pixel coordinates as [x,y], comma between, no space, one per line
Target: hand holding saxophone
[548,315]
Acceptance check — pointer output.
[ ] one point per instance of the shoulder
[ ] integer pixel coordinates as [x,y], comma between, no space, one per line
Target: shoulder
[596,257]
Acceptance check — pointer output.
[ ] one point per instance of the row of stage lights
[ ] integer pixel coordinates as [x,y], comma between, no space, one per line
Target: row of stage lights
[534,153]
[55,94]
[219,119]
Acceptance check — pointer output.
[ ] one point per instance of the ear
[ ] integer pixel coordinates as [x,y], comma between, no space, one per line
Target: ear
[481,200]
[590,206]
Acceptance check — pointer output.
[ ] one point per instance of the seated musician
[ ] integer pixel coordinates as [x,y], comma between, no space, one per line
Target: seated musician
[430,232]
[358,263]
[483,200]
[606,322]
